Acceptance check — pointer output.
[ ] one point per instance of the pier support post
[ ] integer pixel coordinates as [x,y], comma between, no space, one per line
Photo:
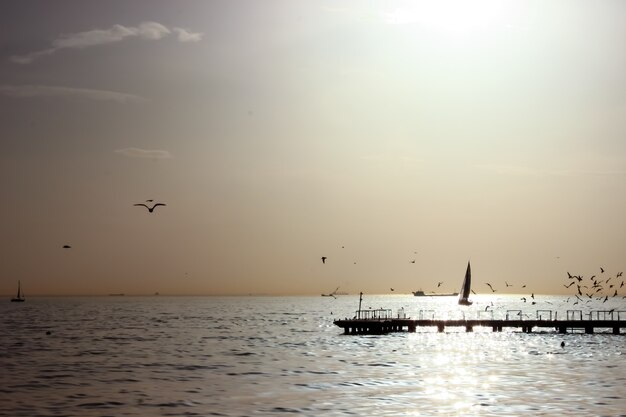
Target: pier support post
[469,328]
[615,330]
[589,329]
[440,327]
[562,330]
[412,327]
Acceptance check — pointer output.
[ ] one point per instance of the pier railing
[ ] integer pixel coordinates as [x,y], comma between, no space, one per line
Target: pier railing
[378,321]
[377,314]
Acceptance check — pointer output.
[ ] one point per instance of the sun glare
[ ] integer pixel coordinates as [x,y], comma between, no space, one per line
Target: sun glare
[451,17]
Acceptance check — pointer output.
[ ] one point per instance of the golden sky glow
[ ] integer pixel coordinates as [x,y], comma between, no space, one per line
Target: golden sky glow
[278,132]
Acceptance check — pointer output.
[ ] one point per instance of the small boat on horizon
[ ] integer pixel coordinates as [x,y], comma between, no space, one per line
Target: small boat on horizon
[332,294]
[420,293]
[466,287]
[19,298]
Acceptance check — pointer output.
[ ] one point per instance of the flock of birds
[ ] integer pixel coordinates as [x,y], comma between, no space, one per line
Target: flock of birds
[596,288]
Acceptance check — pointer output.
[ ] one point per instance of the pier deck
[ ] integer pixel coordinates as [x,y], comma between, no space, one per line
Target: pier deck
[389,325]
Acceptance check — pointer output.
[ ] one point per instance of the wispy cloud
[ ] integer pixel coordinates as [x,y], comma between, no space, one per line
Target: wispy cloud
[185,36]
[511,170]
[28,91]
[144,153]
[116,33]
[535,172]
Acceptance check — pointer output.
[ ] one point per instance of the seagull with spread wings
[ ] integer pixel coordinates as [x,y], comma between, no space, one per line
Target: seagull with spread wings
[150,209]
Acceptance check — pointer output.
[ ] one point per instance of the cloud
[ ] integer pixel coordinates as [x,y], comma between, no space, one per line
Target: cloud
[511,170]
[186,36]
[399,17]
[144,153]
[116,33]
[28,91]
[527,171]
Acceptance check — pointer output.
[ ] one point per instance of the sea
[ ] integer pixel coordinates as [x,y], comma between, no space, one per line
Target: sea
[283,356]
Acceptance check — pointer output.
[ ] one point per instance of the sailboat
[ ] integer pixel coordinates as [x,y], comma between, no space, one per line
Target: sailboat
[20,296]
[332,294]
[466,287]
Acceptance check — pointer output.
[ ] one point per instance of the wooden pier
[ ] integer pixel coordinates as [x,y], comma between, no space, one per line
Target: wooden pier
[383,326]
[381,321]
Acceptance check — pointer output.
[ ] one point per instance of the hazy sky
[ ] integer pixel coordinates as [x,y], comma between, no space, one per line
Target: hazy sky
[278,132]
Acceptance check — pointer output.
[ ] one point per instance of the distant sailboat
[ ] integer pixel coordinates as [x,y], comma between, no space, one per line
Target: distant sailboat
[466,287]
[332,294]
[20,296]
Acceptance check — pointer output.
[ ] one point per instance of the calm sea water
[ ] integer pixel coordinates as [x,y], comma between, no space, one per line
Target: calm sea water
[266,356]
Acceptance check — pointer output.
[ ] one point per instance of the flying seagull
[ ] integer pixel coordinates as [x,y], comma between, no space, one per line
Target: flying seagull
[66,246]
[150,209]
[489,285]
[323,259]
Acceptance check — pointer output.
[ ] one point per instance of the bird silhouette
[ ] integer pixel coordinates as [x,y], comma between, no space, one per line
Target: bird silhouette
[391,289]
[323,259]
[412,261]
[150,209]
[67,247]
[489,285]
[570,284]
[507,284]
[601,270]
[439,284]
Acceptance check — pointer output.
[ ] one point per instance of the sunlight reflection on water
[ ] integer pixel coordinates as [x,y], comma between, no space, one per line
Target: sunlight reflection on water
[268,356]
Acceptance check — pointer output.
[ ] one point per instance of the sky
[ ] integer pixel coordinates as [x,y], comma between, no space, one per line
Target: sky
[374,133]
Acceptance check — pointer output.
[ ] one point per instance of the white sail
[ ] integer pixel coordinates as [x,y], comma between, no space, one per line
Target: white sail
[466,287]
[20,294]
